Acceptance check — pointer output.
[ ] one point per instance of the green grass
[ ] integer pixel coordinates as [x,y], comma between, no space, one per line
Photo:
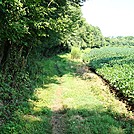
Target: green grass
[88,106]
[93,110]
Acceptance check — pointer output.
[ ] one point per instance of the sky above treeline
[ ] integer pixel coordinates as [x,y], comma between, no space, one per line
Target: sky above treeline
[113,17]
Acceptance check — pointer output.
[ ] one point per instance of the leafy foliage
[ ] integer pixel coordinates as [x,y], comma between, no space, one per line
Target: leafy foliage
[86,36]
[75,53]
[116,65]
[15,86]
[29,27]
[85,55]
[120,41]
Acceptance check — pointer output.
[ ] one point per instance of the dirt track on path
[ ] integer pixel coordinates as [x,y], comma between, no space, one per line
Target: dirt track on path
[57,121]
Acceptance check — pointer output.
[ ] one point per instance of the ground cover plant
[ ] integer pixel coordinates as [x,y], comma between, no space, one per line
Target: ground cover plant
[116,65]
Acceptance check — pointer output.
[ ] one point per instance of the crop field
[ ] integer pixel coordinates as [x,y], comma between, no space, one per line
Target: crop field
[115,64]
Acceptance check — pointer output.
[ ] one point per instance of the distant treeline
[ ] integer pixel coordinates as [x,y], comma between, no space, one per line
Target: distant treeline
[120,40]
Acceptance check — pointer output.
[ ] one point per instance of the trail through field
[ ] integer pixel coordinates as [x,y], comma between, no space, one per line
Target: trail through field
[82,103]
[57,121]
[70,99]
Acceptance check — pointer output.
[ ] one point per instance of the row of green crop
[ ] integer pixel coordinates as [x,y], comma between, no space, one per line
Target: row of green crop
[116,65]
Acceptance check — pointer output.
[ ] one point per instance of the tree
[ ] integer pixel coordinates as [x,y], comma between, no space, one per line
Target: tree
[25,25]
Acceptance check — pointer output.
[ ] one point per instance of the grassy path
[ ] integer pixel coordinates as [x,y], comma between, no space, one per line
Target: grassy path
[73,100]
[82,103]
[57,121]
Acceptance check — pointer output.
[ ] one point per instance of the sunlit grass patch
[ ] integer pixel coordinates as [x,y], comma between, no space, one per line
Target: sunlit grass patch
[91,108]
[94,124]
[28,124]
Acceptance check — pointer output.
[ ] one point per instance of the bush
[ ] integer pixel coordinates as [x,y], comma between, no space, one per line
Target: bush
[16,87]
[75,53]
[85,55]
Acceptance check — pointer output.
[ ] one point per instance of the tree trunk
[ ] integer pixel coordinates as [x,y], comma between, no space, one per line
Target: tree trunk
[5,53]
[1,52]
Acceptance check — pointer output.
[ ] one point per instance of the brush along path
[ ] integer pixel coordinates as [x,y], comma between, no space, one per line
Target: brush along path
[80,101]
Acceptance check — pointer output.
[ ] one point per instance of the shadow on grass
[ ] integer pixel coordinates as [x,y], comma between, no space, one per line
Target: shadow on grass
[78,121]
[87,121]
[30,123]
[51,68]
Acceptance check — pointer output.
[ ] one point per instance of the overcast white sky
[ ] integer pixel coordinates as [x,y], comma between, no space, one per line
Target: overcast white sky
[113,17]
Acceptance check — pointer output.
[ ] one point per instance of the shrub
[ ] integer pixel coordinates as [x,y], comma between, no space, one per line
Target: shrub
[75,53]
[85,55]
